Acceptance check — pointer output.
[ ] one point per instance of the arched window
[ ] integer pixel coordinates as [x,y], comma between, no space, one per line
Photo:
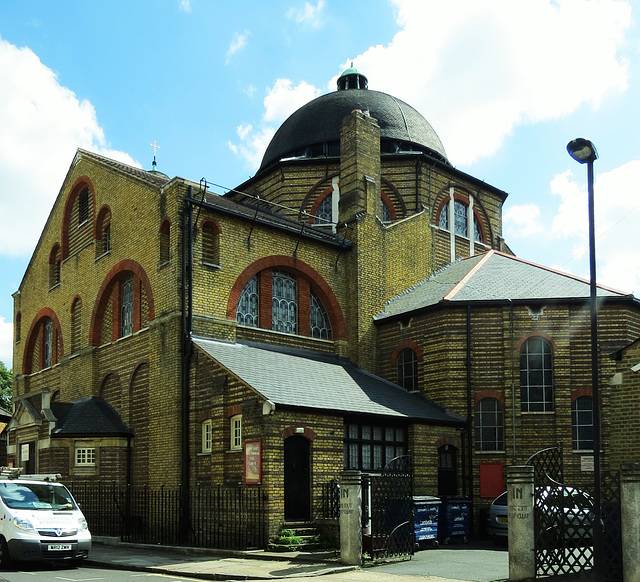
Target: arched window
[126,305]
[54,266]
[210,244]
[76,324]
[165,241]
[103,232]
[582,423]
[286,301]
[284,297]
[536,376]
[489,424]
[319,319]
[44,343]
[461,220]
[407,368]
[324,212]
[249,304]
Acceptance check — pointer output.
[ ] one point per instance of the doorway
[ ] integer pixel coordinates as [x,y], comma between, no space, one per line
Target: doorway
[447,470]
[297,479]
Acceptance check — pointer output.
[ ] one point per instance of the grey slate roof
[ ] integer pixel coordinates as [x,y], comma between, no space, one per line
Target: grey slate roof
[321,383]
[492,276]
[91,416]
[153,177]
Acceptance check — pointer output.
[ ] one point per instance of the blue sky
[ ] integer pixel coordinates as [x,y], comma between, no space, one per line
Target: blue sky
[505,84]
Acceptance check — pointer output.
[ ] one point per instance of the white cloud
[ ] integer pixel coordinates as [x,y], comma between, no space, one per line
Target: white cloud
[617,237]
[284,98]
[6,343]
[493,65]
[185,5]
[43,123]
[309,14]
[238,42]
[281,101]
[523,221]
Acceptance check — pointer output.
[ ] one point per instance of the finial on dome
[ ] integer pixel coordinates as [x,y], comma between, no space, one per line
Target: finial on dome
[352,79]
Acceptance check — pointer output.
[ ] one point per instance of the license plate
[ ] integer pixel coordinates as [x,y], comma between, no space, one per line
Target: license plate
[59,547]
[503,519]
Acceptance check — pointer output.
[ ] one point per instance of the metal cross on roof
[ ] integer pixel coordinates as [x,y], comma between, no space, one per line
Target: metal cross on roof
[155,147]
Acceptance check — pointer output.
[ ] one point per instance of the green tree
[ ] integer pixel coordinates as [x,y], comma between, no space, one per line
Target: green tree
[6,381]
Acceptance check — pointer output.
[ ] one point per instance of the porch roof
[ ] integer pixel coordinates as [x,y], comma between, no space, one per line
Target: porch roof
[91,416]
[323,382]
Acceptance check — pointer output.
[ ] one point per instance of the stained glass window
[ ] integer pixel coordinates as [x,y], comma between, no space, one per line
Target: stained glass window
[247,312]
[284,302]
[320,324]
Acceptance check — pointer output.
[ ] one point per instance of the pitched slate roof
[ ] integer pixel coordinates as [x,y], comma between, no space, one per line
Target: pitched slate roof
[153,177]
[312,381]
[492,276]
[91,416]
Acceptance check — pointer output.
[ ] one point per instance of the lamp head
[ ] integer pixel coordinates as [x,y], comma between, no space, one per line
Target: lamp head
[582,150]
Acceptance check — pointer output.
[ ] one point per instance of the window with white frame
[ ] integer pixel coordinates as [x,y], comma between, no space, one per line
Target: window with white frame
[206,436]
[236,432]
[536,376]
[582,423]
[489,425]
[85,456]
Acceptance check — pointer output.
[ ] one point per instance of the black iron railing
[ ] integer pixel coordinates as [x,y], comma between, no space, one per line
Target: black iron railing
[219,517]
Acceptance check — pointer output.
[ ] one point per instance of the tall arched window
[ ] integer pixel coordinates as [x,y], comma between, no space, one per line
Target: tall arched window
[407,368]
[582,423]
[54,266]
[489,425]
[210,244]
[126,305]
[536,376]
[76,324]
[165,241]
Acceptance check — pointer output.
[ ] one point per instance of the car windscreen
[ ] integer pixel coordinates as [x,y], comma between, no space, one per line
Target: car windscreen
[38,496]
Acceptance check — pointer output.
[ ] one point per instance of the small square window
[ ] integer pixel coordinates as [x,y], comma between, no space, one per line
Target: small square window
[206,436]
[86,457]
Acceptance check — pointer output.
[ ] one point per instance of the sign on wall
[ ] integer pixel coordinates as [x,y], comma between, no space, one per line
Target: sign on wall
[252,462]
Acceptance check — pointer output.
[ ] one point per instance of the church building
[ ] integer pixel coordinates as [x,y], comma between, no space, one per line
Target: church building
[354,301]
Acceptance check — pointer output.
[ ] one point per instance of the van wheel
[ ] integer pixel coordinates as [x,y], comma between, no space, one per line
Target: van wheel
[5,560]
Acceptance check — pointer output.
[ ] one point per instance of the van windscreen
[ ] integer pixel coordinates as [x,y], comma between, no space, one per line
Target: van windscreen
[39,496]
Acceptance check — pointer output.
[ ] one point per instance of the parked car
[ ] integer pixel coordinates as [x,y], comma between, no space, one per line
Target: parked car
[497,527]
[574,505]
[41,521]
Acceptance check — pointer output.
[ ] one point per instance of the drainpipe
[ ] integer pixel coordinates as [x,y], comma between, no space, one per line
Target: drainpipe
[469,407]
[186,349]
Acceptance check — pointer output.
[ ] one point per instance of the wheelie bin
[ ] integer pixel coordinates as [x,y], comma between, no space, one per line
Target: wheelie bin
[425,520]
[455,514]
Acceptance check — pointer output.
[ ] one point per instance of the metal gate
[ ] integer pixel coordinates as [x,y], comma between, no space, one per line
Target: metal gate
[564,520]
[391,509]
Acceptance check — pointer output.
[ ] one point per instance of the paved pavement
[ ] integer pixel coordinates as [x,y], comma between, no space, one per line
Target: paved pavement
[481,563]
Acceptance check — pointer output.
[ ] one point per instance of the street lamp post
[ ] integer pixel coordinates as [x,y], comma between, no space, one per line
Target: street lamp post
[583,151]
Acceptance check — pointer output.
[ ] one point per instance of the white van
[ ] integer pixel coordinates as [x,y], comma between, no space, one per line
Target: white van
[40,520]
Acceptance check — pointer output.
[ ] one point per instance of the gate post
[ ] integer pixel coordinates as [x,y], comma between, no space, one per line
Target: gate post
[522,564]
[351,518]
[630,520]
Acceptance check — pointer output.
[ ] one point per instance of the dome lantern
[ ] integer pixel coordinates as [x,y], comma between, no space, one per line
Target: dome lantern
[352,79]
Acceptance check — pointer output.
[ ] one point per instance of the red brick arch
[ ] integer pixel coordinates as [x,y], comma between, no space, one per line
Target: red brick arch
[35,335]
[293,431]
[403,345]
[482,394]
[104,294]
[320,286]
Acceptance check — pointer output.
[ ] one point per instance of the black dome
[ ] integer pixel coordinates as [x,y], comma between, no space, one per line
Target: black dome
[314,129]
